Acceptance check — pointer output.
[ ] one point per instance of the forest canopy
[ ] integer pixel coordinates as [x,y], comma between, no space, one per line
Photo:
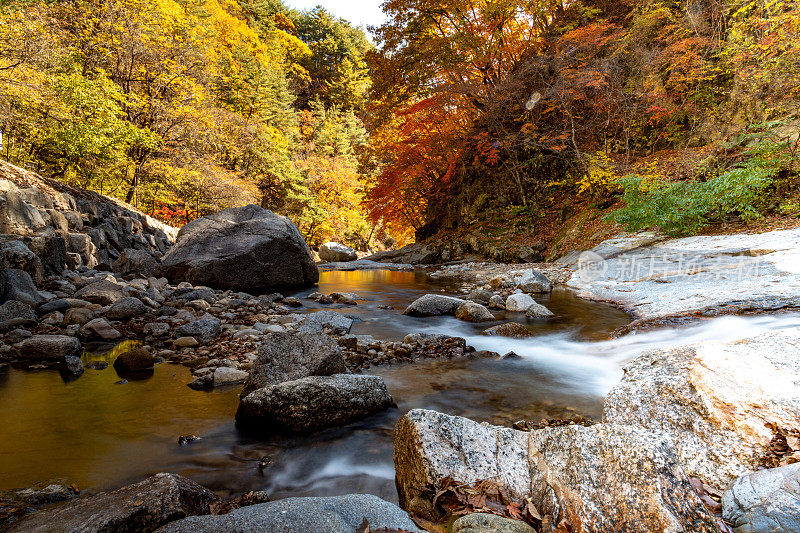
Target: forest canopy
[666,114]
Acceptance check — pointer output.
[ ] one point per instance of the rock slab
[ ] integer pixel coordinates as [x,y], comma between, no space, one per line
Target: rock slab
[141,507]
[764,501]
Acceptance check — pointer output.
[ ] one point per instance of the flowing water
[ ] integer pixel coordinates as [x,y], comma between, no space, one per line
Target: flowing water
[98,433]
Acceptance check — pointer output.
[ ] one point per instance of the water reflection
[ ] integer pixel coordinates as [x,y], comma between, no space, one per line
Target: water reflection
[98,433]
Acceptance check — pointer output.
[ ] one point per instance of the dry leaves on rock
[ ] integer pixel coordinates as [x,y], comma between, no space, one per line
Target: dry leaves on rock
[784,448]
[490,496]
[365,528]
[527,425]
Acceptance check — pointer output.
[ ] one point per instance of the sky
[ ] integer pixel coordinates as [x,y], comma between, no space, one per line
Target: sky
[358,12]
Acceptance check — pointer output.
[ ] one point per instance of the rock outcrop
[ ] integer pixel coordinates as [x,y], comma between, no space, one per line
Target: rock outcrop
[715,399]
[314,403]
[141,507]
[603,478]
[241,248]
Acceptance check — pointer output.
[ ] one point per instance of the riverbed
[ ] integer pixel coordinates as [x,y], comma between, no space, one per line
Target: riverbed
[100,433]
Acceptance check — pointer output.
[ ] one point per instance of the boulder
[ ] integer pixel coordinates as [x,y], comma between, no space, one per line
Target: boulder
[489,523]
[519,302]
[532,281]
[537,310]
[52,251]
[288,356]
[156,329]
[103,292]
[228,376]
[73,365]
[497,302]
[48,347]
[327,319]
[125,308]
[17,285]
[15,254]
[311,404]
[764,501]
[714,398]
[138,262]
[134,360]
[14,314]
[433,305]
[509,329]
[78,315]
[241,248]
[141,507]
[336,252]
[473,312]
[643,488]
[331,514]
[480,295]
[203,329]
[98,328]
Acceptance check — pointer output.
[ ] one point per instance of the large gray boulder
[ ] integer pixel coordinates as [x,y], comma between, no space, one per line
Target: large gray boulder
[139,262]
[203,329]
[473,312]
[332,514]
[17,285]
[715,399]
[241,248]
[125,308]
[289,356]
[48,348]
[605,478]
[141,507]
[15,254]
[336,252]
[311,404]
[764,501]
[433,305]
[102,292]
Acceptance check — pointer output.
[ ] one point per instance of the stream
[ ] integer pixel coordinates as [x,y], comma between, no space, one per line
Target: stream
[99,434]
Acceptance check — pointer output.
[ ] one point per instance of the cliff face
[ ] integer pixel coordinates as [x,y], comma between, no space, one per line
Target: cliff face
[72,227]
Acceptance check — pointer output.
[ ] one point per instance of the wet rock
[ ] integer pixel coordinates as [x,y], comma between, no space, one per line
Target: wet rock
[764,501]
[519,302]
[17,335]
[241,248]
[103,292]
[714,398]
[433,305]
[509,329]
[97,365]
[292,302]
[489,523]
[644,487]
[307,405]
[204,329]
[100,328]
[334,251]
[125,308]
[134,360]
[327,319]
[473,312]
[331,514]
[287,356]
[14,314]
[17,285]
[185,440]
[48,347]
[141,507]
[73,365]
[345,298]
[47,495]
[537,310]
[229,376]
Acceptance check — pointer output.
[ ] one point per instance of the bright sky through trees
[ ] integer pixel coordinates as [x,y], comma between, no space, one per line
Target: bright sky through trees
[358,12]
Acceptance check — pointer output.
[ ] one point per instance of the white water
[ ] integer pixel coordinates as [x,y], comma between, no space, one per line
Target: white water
[599,364]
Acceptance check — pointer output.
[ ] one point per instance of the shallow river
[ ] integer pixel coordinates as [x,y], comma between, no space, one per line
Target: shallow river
[100,434]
